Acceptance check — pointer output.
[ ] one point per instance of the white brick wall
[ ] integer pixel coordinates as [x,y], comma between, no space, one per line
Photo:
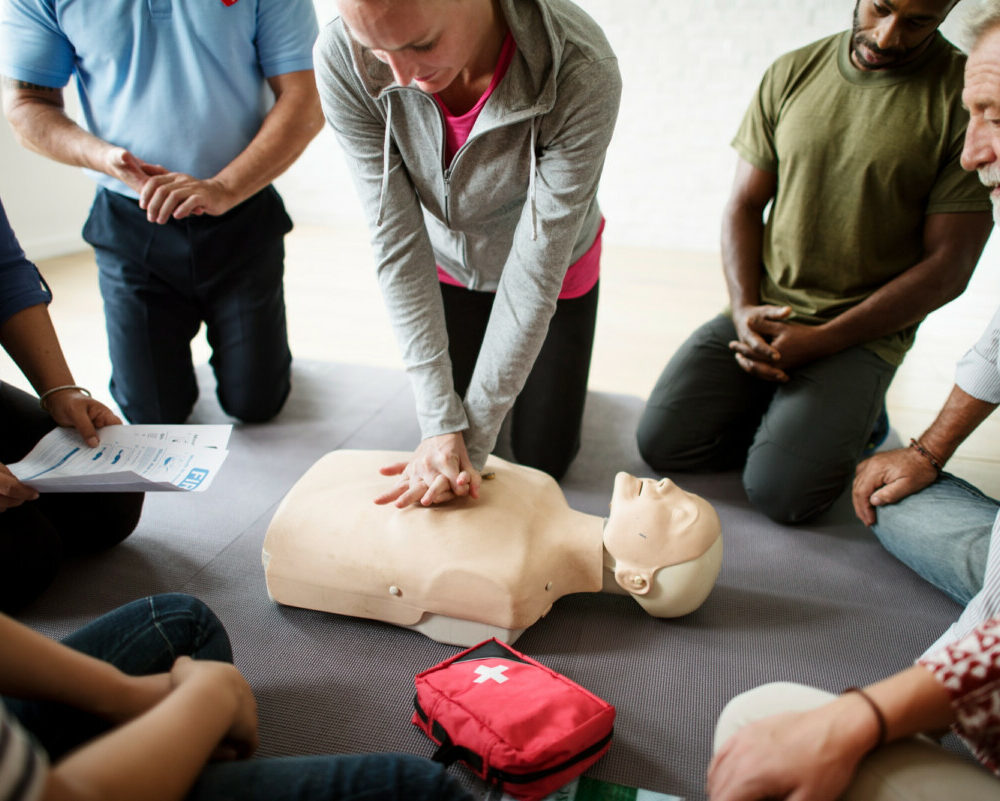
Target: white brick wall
[689,69]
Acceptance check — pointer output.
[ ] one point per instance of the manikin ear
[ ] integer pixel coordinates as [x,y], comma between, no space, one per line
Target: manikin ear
[680,589]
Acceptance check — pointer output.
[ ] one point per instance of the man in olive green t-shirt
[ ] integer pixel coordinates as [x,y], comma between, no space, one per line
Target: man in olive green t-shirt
[854,141]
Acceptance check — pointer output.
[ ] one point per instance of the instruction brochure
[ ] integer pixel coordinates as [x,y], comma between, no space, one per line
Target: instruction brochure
[130,458]
[584,789]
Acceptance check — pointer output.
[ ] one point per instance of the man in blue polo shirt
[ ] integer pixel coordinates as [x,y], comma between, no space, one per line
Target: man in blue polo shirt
[183,140]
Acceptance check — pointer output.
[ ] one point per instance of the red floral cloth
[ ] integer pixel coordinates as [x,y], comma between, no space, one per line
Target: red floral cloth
[969,669]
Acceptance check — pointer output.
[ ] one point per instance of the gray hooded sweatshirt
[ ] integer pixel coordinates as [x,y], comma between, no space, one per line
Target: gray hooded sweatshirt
[516,206]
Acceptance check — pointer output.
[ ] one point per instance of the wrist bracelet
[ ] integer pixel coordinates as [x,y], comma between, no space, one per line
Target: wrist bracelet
[45,395]
[930,457]
[883,729]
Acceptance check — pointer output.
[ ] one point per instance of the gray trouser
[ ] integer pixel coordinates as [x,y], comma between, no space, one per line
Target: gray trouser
[798,442]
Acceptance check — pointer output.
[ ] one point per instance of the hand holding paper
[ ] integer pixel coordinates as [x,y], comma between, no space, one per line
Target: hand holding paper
[134,458]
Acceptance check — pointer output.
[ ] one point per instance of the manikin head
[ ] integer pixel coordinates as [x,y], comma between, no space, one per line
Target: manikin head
[427,43]
[662,545]
[890,33]
[981,97]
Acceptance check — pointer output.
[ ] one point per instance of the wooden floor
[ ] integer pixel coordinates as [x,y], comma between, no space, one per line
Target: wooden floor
[650,301]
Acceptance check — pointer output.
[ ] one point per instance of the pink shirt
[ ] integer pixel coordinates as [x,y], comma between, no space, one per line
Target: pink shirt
[582,274]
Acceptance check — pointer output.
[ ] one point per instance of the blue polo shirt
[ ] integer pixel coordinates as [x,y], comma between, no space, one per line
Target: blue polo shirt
[21,285]
[177,82]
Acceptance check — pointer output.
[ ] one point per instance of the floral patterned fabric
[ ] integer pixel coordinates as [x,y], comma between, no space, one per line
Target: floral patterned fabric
[969,669]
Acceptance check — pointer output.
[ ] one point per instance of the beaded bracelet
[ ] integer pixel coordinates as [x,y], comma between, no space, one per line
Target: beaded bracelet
[883,729]
[44,395]
[930,457]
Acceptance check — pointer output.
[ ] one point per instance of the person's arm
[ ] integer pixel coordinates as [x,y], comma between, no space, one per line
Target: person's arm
[30,339]
[404,258]
[572,145]
[26,333]
[891,476]
[952,245]
[158,755]
[742,244]
[38,118]
[34,666]
[813,755]
[171,723]
[290,125]
[405,267]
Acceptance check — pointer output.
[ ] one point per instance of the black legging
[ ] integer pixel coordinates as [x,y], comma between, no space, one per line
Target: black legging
[37,535]
[546,418]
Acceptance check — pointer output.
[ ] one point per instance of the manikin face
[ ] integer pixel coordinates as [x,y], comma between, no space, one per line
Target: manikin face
[891,33]
[982,98]
[426,43]
[652,525]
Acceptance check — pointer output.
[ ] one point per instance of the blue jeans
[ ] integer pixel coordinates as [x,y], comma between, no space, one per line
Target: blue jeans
[356,777]
[942,533]
[146,636]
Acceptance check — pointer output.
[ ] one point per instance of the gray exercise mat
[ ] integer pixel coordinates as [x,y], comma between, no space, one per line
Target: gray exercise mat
[821,604]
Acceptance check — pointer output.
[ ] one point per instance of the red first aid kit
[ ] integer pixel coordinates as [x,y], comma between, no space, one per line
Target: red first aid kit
[520,726]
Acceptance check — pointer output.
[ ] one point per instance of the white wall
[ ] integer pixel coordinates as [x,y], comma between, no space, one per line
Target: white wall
[46,202]
[689,69]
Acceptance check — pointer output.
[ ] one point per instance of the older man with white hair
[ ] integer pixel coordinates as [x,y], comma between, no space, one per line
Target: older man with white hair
[934,522]
[869,743]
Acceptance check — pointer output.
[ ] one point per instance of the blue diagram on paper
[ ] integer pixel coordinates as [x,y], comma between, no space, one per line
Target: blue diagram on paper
[49,469]
[193,479]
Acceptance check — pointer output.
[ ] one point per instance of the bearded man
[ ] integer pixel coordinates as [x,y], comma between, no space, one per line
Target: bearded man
[786,740]
[852,146]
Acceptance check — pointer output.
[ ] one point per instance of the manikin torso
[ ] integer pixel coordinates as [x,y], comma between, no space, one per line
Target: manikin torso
[466,570]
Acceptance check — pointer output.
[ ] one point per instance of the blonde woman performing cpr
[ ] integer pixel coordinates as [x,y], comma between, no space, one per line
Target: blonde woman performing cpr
[476,132]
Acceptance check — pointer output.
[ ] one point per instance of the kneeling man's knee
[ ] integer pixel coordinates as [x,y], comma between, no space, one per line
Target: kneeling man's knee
[650,438]
[788,493]
[257,405]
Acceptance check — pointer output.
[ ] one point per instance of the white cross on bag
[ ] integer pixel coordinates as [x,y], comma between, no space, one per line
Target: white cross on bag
[487,673]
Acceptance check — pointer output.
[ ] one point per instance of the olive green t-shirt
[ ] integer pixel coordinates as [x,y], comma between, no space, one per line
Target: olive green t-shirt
[861,158]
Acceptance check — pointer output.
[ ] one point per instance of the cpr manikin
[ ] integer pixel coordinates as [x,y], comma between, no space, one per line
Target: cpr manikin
[466,570]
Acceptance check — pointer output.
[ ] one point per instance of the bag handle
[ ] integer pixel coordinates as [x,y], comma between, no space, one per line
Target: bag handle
[448,753]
